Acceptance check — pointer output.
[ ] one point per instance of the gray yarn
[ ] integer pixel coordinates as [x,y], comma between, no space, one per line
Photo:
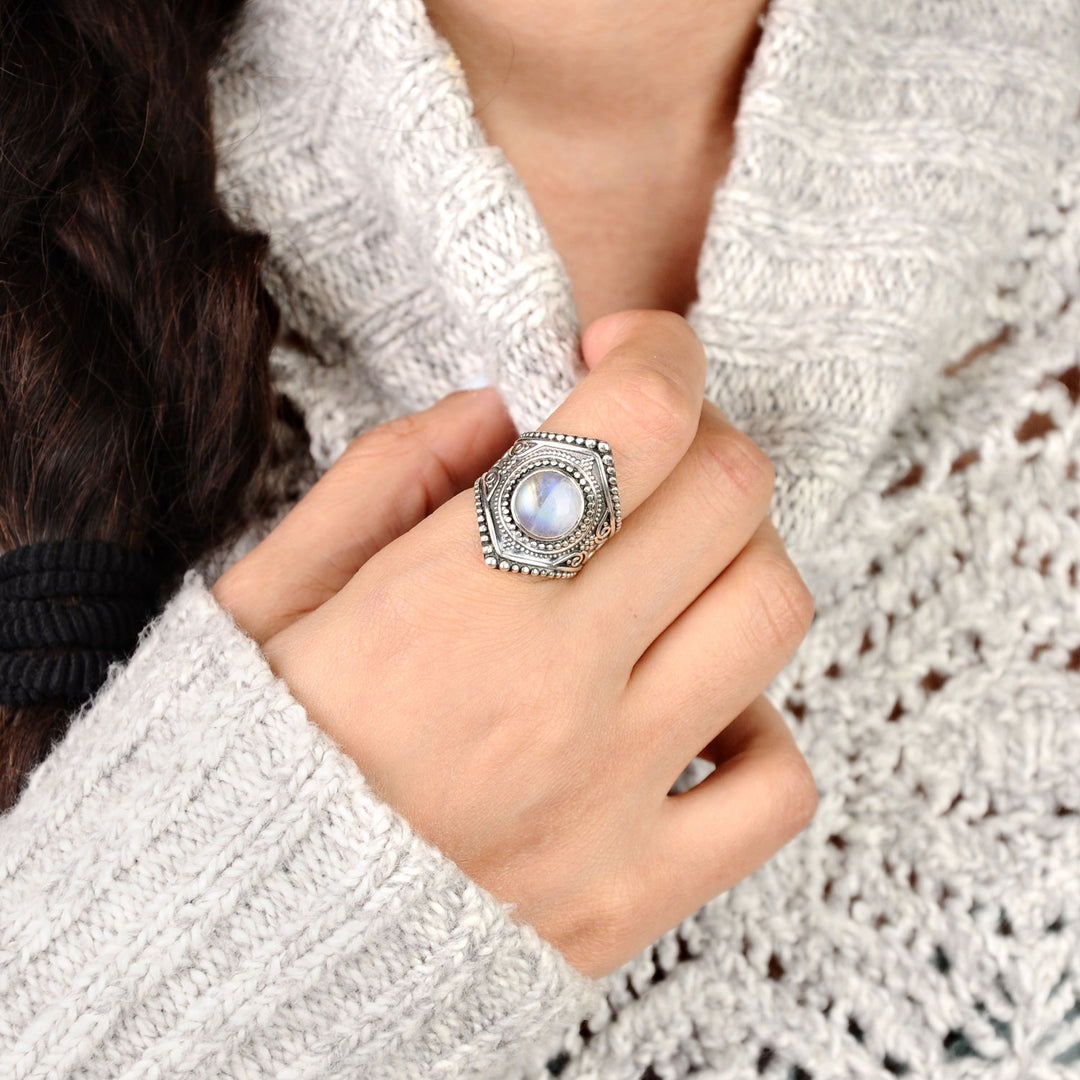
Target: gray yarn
[197,882]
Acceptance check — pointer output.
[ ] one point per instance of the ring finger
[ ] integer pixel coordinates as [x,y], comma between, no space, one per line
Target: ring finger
[721,652]
[644,400]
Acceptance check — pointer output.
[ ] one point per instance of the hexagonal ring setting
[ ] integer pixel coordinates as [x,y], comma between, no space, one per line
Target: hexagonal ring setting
[548,504]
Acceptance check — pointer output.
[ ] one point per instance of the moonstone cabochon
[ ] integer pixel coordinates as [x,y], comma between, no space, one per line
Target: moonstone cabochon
[547,504]
[555,460]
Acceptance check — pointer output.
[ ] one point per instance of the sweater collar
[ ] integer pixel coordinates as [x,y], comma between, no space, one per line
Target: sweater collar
[889,159]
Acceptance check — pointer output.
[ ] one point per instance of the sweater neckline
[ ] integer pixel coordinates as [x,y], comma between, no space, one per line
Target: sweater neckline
[889,158]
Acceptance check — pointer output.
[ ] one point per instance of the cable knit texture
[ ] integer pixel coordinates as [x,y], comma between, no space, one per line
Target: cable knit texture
[199,883]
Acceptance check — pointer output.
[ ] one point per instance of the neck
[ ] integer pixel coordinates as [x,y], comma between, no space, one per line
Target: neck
[604,70]
[620,125]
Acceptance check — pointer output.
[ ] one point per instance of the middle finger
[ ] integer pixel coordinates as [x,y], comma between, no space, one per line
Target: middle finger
[681,538]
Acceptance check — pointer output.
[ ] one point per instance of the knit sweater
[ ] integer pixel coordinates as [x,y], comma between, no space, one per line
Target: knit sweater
[198,882]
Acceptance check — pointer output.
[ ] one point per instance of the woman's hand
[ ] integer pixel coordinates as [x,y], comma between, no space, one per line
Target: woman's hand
[532,728]
[388,479]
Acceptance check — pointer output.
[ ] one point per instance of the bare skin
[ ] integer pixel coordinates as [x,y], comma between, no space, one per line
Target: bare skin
[371,599]
[619,119]
[410,653]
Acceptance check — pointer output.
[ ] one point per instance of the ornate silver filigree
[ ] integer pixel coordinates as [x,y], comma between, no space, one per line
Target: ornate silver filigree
[588,463]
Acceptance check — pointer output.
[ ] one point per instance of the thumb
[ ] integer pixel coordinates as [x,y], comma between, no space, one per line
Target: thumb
[388,479]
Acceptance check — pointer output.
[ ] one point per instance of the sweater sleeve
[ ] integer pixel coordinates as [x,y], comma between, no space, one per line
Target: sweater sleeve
[198,882]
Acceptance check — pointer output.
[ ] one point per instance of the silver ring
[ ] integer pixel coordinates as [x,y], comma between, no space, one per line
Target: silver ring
[548,504]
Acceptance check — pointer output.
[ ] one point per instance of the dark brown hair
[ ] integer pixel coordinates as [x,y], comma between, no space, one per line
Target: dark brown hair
[135,396]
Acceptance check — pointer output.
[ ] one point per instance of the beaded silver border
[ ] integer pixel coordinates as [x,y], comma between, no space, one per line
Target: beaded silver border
[589,463]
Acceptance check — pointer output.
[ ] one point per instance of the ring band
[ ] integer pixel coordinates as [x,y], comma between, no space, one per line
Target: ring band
[548,504]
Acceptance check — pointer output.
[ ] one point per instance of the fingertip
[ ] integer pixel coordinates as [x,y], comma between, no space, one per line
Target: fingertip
[476,419]
[472,395]
[485,403]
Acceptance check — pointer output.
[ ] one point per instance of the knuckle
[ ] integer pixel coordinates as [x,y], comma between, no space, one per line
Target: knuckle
[397,433]
[656,404]
[401,439]
[748,466]
[795,792]
[606,929]
[736,464]
[784,607]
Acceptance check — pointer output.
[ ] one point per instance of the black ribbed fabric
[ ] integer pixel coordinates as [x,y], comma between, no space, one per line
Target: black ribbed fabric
[68,608]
